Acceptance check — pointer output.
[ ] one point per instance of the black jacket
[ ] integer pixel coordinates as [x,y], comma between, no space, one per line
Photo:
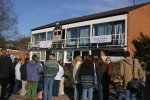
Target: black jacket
[23,72]
[5,64]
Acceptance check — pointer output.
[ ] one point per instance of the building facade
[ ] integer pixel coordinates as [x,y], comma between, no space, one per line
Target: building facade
[103,34]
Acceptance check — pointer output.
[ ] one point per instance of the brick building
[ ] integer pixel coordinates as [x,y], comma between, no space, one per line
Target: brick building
[104,34]
[17,54]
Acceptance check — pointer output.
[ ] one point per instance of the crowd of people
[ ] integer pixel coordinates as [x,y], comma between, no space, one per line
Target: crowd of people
[37,81]
[108,76]
[30,78]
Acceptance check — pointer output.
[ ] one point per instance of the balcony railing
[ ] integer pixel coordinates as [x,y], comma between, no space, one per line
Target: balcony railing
[116,40]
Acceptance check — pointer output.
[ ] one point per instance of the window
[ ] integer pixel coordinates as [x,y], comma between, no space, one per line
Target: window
[35,37]
[81,33]
[116,29]
[49,35]
[69,56]
[42,56]
[102,29]
[61,55]
[109,28]
[72,35]
[42,36]
[84,33]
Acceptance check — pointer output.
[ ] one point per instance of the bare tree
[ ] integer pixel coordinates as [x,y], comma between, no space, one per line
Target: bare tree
[8,18]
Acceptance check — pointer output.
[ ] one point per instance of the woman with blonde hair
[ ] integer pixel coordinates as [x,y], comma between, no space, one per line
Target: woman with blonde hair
[77,87]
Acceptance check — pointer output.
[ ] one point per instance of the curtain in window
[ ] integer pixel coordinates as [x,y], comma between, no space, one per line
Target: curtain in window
[84,35]
[72,36]
[42,36]
[103,29]
[118,30]
[49,35]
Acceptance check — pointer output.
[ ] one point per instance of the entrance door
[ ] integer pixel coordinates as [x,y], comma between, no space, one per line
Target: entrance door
[96,53]
[76,53]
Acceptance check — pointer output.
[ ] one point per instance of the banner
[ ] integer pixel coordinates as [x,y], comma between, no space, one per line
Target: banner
[100,39]
[45,44]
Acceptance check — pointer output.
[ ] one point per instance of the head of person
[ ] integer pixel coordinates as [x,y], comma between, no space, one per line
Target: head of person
[77,58]
[88,58]
[16,60]
[34,57]
[108,60]
[126,54]
[20,60]
[51,56]
[4,51]
[26,60]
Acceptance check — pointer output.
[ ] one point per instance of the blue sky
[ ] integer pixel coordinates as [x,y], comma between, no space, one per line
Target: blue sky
[35,13]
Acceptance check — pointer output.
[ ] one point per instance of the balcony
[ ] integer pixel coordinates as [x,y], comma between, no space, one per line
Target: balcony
[116,40]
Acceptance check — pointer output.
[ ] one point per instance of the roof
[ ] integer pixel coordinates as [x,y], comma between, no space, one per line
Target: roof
[124,10]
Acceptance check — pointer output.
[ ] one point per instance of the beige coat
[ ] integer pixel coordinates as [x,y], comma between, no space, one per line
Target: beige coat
[126,68]
[76,72]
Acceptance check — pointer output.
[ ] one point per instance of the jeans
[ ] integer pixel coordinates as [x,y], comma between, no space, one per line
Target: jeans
[56,87]
[128,93]
[89,92]
[32,90]
[16,87]
[100,91]
[119,96]
[48,85]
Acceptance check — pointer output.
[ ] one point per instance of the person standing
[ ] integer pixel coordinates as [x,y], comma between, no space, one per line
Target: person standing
[17,76]
[24,77]
[57,79]
[51,68]
[33,76]
[12,75]
[100,69]
[126,72]
[77,88]
[61,88]
[5,64]
[106,78]
[86,75]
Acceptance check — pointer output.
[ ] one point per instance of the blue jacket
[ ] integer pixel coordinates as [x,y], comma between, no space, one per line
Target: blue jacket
[33,70]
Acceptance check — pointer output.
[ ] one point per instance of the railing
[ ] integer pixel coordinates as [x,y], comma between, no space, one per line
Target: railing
[117,40]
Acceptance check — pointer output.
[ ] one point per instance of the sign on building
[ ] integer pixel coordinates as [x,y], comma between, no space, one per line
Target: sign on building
[101,39]
[45,44]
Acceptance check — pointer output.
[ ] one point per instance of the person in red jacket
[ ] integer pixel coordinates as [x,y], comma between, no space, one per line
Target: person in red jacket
[106,78]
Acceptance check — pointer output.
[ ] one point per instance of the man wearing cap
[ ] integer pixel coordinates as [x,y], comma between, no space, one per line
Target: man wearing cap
[5,64]
[51,68]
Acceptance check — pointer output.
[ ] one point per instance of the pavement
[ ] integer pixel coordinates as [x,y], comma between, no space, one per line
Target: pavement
[67,96]
[18,97]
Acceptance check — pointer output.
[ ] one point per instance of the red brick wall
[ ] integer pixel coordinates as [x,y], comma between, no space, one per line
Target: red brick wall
[138,21]
[17,53]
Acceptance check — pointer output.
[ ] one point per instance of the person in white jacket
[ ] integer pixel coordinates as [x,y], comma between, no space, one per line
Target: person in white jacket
[57,81]
[17,76]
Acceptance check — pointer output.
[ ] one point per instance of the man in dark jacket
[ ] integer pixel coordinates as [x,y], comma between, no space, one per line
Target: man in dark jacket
[5,64]
[24,76]
[50,70]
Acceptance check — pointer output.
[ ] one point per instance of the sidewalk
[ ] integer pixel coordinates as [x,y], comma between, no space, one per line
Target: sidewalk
[18,97]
